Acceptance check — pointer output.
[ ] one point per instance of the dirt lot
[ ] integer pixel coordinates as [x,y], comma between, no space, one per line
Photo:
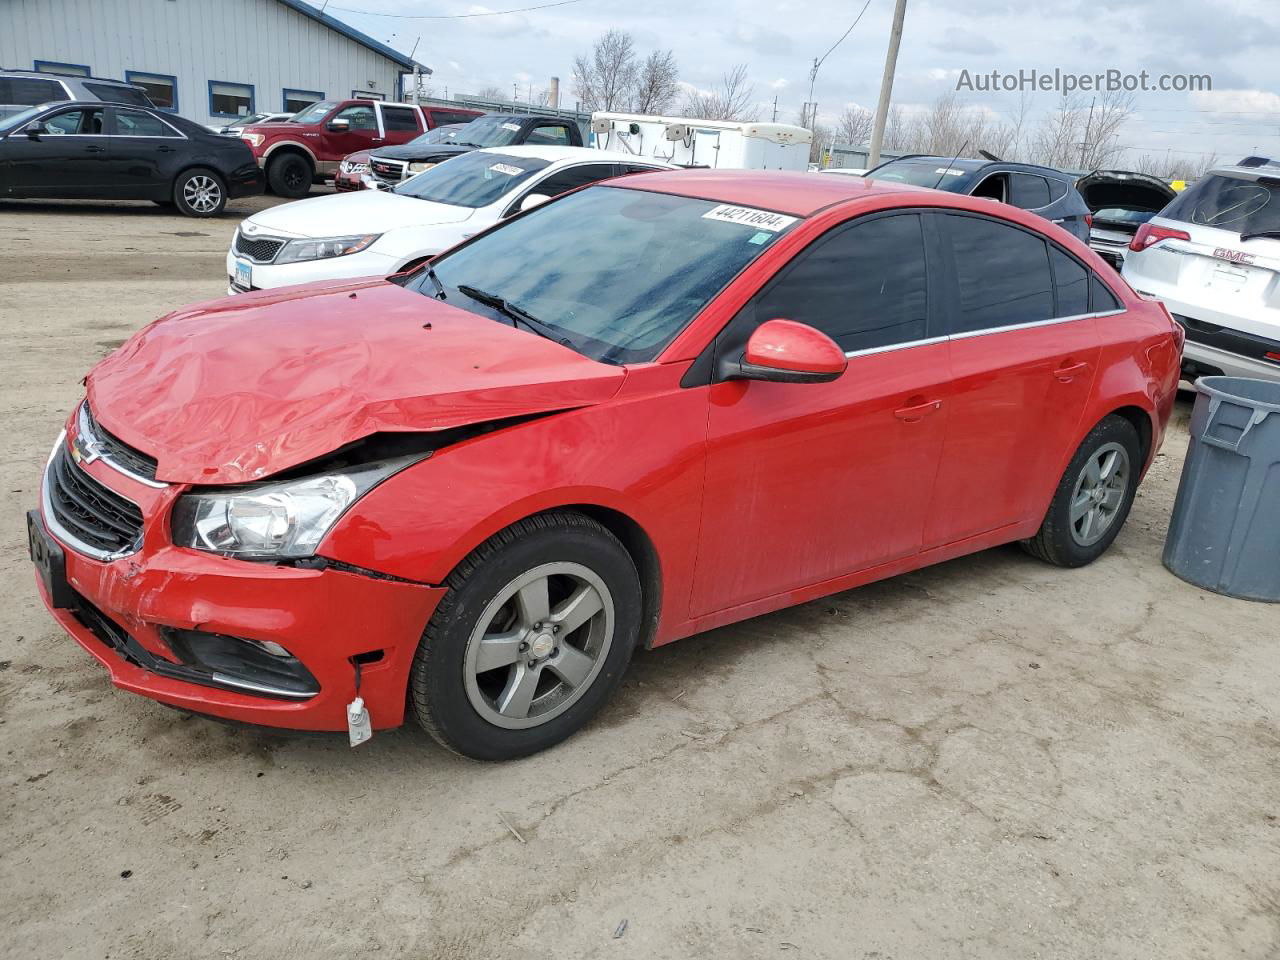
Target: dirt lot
[991,758]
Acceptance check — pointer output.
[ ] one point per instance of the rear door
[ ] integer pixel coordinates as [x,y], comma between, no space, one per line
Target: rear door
[809,482]
[144,150]
[399,124]
[1024,352]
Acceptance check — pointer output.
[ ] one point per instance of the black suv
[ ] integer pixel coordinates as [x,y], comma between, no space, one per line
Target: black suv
[20,89]
[1041,190]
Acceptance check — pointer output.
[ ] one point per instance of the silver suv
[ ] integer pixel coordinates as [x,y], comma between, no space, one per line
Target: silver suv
[20,89]
[1213,256]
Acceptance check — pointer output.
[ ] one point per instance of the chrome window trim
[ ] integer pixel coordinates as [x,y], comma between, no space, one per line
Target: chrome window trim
[83,429]
[252,687]
[982,333]
[59,531]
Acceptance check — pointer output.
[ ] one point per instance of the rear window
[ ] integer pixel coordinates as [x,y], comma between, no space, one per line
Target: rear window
[109,93]
[30,91]
[440,117]
[925,173]
[1241,206]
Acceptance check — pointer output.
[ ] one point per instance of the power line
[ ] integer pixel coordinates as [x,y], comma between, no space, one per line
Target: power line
[843,35]
[453,16]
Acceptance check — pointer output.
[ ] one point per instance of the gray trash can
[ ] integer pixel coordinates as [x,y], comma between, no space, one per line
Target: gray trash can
[1225,531]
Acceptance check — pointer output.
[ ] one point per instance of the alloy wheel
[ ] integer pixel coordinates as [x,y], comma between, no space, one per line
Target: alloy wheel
[202,193]
[1099,494]
[538,645]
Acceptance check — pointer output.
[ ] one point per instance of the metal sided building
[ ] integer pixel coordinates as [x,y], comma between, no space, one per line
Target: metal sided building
[208,60]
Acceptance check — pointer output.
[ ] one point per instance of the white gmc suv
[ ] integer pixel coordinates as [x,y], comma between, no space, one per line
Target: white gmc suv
[1213,256]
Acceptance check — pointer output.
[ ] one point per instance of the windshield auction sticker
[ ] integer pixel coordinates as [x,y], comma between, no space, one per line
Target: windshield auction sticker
[749,217]
[506,168]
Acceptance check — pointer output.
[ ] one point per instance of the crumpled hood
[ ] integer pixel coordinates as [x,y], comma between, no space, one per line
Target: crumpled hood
[353,214]
[238,389]
[422,152]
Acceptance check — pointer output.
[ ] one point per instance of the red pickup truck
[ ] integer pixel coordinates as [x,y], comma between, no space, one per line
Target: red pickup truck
[307,148]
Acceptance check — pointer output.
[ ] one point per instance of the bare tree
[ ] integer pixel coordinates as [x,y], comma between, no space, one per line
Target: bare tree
[854,126]
[1169,167]
[1083,135]
[657,83]
[732,100]
[896,130]
[605,79]
[491,93]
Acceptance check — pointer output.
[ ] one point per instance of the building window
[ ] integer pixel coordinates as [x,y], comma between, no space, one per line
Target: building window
[161,88]
[367,95]
[66,69]
[296,101]
[230,99]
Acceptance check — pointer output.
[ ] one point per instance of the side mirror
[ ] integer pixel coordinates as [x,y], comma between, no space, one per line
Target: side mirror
[784,351]
[34,129]
[339,126]
[533,200]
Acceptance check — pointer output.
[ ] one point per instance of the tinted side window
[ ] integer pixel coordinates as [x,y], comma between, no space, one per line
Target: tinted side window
[556,134]
[863,285]
[85,123]
[1057,190]
[580,176]
[29,91]
[399,118]
[1103,298]
[1002,274]
[360,117]
[1027,191]
[135,123]
[1071,283]
[441,117]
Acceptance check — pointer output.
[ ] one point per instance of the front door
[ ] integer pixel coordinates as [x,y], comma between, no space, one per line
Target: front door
[808,482]
[1024,352]
[70,159]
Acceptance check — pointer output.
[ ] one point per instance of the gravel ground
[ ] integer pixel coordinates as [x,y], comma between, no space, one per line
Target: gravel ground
[990,758]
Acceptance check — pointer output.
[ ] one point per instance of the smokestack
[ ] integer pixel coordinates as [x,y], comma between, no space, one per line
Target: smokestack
[555,91]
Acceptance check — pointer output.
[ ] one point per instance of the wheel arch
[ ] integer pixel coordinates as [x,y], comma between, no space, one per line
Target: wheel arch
[289,146]
[644,555]
[1142,421]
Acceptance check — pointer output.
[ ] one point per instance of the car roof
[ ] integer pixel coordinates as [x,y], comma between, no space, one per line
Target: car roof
[554,153]
[45,75]
[972,164]
[1264,171]
[795,193]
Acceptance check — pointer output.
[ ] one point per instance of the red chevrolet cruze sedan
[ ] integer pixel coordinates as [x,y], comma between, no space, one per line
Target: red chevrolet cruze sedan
[639,411]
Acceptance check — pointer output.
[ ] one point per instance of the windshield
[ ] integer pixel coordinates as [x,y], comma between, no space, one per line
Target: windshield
[616,272]
[471,180]
[930,172]
[15,120]
[446,134]
[1123,215]
[314,113]
[490,132]
[1241,206]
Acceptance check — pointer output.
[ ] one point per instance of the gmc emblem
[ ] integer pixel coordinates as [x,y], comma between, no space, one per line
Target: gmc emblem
[1235,256]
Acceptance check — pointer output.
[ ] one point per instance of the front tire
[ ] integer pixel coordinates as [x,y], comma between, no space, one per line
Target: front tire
[1093,498]
[199,193]
[290,175]
[531,638]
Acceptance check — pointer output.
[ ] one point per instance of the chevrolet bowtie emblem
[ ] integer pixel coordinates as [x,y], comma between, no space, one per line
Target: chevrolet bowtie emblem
[85,451]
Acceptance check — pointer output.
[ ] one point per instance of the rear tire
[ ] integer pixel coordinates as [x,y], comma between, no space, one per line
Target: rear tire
[290,175]
[555,591]
[199,193]
[1093,498]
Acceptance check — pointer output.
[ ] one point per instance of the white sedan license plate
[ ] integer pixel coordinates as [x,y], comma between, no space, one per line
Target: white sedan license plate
[244,275]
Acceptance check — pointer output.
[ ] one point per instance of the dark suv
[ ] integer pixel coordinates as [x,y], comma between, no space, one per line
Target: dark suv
[20,89]
[1043,191]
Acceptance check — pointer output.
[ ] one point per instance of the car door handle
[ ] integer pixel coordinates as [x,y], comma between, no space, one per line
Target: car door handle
[94,148]
[1070,371]
[917,411]
[165,149]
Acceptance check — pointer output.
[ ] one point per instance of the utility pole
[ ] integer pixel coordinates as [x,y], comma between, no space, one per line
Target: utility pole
[811,108]
[515,92]
[886,83]
[1088,125]
[775,108]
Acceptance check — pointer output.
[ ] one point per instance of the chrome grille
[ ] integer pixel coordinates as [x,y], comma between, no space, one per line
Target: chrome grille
[387,169]
[114,450]
[87,513]
[258,249]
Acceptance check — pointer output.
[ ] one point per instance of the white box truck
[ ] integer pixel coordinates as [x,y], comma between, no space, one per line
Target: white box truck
[719,144]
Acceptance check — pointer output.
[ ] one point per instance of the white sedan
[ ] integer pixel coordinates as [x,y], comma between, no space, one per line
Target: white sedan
[375,233]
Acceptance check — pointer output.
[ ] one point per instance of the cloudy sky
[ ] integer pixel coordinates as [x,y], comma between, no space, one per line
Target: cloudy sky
[1236,43]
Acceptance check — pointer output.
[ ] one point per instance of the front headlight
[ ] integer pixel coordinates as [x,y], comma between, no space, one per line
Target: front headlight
[295,251]
[275,520]
[419,167]
[252,139]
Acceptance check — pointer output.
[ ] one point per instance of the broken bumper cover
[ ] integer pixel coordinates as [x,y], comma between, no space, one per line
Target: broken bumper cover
[127,613]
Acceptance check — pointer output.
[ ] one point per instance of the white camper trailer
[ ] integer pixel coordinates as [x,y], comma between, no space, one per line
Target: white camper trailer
[720,144]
